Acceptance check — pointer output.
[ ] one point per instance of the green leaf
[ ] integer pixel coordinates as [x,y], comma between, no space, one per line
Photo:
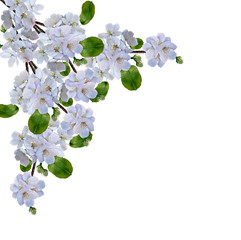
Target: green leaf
[38,123]
[26,169]
[88,12]
[139,45]
[61,168]
[67,104]
[92,47]
[78,142]
[1,45]
[67,70]
[102,90]
[131,79]
[7,111]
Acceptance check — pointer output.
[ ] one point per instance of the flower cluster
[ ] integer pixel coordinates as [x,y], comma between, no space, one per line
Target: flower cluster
[54,86]
[27,188]
[43,147]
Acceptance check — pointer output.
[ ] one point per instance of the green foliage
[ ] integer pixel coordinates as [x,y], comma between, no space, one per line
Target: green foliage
[67,70]
[38,123]
[78,142]
[88,12]
[138,60]
[131,79]
[7,111]
[139,45]
[56,113]
[26,169]
[67,104]
[102,90]
[80,62]
[92,47]
[1,45]
[61,168]
[179,60]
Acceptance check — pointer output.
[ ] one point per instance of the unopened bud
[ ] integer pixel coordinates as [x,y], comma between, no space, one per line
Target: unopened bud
[179,60]
[33,210]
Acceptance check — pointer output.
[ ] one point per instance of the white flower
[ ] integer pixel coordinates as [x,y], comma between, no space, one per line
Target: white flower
[78,121]
[159,49]
[102,74]
[56,76]
[40,53]
[56,66]
[71,47]
[20,155]
[53,125]
[55,20]
[24,17]
[81,85]
[27,188]
[128,36]
[41,91]
[64,93]
[11,36]
[120,62]
[7,18]
[21,80]
[29,34]
[103,61]
[13,4]
[11,55]
[32,143]
[71,19]
[114,45]
[112,31]
[63,136]
[33,7]
[18,138]
[48,149]
[16,96]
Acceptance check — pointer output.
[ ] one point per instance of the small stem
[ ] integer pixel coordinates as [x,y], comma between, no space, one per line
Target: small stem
[39,23]
[3,2]
[138,52]
[32,67]
[62,108]
[34,64]
[39,29]
[33,169]
[36,29]
[27,68]
[72,66]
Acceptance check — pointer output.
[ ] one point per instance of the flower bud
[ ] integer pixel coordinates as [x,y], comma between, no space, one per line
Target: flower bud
[179,60]
[33,210]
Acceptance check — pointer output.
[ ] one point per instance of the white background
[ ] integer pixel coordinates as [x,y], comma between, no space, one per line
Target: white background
[164,162]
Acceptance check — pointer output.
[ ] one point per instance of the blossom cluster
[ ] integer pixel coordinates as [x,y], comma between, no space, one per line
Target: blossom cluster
[56,47]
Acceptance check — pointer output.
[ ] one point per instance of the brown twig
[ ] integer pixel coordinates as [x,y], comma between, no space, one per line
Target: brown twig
[138,51]
[32,67]
[62,108]
[27,68]
[33,169]
[39,23]
[72,66]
